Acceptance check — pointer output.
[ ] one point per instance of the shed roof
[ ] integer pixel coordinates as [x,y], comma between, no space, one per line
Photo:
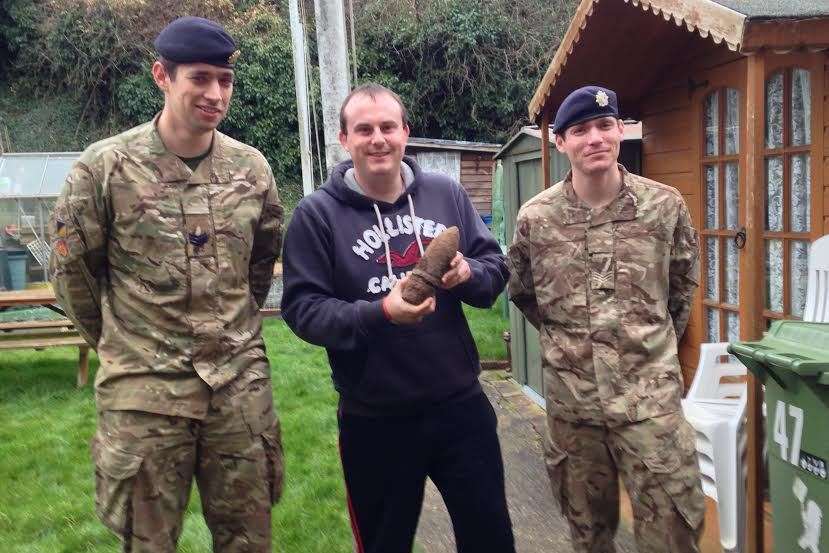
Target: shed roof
[34,175]
[773,9]
[440,144]
[603,27]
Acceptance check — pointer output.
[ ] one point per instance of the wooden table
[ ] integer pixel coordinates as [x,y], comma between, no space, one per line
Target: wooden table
[42,334]
[36,296]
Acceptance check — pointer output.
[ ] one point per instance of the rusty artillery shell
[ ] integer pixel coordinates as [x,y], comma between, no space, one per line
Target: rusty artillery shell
[432,266]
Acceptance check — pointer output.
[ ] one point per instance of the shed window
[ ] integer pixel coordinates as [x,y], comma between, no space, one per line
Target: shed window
[721,209]
[448,163]
[787,198]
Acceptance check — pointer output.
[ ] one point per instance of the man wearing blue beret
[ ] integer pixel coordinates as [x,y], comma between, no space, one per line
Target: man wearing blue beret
[163,246]
[604,264]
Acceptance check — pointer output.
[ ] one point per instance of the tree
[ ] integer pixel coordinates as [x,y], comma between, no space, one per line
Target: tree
[466,68]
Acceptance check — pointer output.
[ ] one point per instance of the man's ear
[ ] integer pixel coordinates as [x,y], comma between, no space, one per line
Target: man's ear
[160,76]
[343,137]
[559,138]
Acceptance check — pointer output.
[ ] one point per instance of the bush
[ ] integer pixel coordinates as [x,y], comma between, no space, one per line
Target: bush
[263,109]
[82,48]
[96,55]
[466,68]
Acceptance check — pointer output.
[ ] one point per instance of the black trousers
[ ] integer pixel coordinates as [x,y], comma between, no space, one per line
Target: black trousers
[386,461]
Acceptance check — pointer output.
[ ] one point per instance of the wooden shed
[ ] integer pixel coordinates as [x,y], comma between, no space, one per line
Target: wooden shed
[470,163]
[732,95]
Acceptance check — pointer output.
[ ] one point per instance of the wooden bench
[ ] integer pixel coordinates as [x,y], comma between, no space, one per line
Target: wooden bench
[29,325]
[45,334]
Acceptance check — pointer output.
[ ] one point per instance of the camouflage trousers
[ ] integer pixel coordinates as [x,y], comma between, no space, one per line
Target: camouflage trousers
[145,464]
[657,462]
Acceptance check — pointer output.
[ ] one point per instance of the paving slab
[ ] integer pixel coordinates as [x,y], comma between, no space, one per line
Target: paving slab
[537,522]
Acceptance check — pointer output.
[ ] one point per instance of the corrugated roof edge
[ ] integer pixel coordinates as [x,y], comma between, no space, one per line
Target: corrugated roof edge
[776,9]
[442,144]
[39,154]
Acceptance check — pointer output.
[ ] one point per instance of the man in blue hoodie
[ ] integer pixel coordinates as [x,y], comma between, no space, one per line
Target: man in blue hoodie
[411,405]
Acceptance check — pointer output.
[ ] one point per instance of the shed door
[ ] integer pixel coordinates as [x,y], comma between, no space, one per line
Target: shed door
[529,184]
[791,198]
[788,225]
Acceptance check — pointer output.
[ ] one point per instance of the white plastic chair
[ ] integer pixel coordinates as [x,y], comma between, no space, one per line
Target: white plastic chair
[716,409]
[817,291]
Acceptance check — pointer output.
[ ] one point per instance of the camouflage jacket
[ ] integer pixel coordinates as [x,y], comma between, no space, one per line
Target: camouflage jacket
[610,292]
[163,269]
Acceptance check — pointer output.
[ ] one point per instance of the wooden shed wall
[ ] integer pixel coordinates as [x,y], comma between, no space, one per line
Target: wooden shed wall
[475,175]
[670,154]
[826,145]
[476,178]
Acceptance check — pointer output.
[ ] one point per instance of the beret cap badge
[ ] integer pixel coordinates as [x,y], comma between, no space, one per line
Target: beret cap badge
[233,57]
[583,104]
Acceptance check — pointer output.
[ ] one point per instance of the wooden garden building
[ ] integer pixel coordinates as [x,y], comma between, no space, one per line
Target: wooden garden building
[469,163]
[733,96]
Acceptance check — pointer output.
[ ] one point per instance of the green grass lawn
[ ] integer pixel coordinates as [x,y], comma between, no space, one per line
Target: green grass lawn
[46,485]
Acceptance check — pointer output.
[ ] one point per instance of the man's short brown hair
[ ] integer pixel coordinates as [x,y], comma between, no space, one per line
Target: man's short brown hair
[170,67]
[372,90]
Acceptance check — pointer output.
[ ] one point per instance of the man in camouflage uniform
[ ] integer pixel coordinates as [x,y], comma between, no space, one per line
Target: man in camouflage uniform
[604,265]
[163,246]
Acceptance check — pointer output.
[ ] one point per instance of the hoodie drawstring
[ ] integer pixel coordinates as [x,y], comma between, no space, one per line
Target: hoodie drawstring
[417,234]
[385,240]
[385,236]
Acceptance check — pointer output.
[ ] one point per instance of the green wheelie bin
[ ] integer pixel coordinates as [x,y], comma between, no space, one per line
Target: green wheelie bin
[792,361]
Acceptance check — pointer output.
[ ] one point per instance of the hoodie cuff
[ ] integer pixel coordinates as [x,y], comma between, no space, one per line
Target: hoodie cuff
[474,282]
[371,314]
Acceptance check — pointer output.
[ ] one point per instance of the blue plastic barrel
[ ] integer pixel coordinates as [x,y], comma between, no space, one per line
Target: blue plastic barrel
[18,262]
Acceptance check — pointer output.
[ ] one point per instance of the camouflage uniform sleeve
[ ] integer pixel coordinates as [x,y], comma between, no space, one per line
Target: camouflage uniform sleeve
[521,287]
[267,243]
[684,271]
[77,228]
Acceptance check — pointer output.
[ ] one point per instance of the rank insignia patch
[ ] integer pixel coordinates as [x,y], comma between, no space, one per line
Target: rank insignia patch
[61,248]
[198,238]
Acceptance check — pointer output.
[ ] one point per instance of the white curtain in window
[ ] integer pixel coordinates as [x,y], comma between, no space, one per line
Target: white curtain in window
[801,108]
[448,163]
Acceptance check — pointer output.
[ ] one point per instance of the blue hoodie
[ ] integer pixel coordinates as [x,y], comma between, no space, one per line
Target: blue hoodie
[340,261]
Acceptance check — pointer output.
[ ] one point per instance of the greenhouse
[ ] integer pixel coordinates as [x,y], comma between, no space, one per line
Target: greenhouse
[29,186]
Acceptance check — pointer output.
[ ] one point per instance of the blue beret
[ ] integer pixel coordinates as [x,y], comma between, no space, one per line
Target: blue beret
[584,104]
[196,40]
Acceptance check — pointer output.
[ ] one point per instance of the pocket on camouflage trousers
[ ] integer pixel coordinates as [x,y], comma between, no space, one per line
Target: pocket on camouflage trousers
[272,442]
[115,476]
[555,459]
[256,403]
[674,466]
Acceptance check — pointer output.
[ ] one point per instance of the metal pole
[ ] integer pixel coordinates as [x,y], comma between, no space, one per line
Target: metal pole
[333,64]
[301,88]
[353,39]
